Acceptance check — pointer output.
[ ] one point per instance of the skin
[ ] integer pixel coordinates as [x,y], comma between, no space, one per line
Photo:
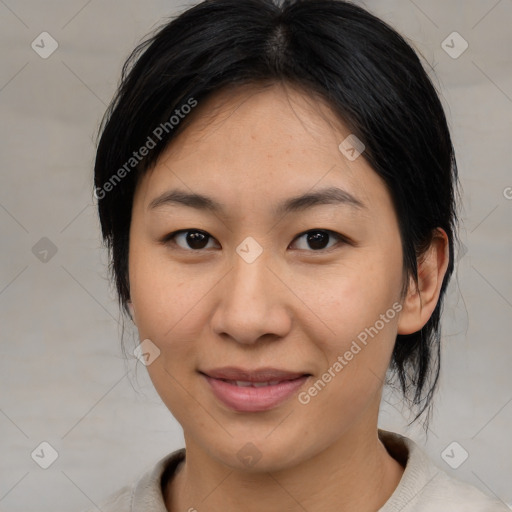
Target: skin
[294,307]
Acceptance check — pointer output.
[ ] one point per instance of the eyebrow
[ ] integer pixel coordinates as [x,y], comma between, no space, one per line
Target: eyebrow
[331,195]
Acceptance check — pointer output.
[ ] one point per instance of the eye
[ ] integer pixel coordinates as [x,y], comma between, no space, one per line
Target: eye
[189,239]
[318,239]
[197,239]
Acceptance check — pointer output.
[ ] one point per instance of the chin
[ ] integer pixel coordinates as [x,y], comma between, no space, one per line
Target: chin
[257,454]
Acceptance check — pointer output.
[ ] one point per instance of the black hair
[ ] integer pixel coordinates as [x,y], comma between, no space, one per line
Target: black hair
[365,71]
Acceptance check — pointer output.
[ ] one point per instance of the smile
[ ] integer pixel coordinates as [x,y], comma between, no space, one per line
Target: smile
[256,392]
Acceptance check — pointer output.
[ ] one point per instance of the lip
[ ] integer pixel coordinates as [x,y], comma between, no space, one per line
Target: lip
[256,375]
[253,399]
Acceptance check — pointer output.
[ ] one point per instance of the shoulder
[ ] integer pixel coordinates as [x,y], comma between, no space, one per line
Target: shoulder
[146,492]
[120,501]
[450,494]
[425,487]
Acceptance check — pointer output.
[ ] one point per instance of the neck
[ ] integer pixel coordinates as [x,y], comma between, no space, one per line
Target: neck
[354,473]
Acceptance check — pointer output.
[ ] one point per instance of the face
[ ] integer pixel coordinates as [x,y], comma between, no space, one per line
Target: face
[307,297]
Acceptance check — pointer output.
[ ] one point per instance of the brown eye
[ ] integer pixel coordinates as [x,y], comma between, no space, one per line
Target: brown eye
[189,239]
[318,239]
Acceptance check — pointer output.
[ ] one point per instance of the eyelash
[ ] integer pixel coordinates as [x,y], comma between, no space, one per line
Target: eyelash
[170,239]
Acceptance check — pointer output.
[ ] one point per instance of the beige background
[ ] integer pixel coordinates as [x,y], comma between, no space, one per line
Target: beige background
[63,377]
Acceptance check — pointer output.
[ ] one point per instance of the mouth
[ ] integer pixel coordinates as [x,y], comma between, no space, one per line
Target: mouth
[253,390]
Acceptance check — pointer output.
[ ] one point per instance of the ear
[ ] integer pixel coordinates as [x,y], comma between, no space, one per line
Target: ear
[420,302]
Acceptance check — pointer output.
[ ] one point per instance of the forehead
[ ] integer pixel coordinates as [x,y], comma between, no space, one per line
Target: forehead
[259,112]
[250,144]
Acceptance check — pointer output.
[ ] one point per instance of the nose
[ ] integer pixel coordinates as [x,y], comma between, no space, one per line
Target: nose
[253,303]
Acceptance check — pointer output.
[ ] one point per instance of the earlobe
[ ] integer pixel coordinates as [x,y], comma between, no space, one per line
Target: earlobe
[421,300]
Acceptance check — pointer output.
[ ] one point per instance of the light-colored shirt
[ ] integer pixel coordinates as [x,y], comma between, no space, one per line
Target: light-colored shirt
[424,487]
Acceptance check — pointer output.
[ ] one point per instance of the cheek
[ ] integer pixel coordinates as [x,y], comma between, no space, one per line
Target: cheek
[168,312]
[351,296]
[356,305]
[361,314]
[164,296]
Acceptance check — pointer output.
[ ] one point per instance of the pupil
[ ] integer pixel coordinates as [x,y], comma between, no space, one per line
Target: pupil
[197,240]
[315,240]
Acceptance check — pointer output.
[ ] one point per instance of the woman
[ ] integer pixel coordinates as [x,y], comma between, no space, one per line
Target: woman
[277,185]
